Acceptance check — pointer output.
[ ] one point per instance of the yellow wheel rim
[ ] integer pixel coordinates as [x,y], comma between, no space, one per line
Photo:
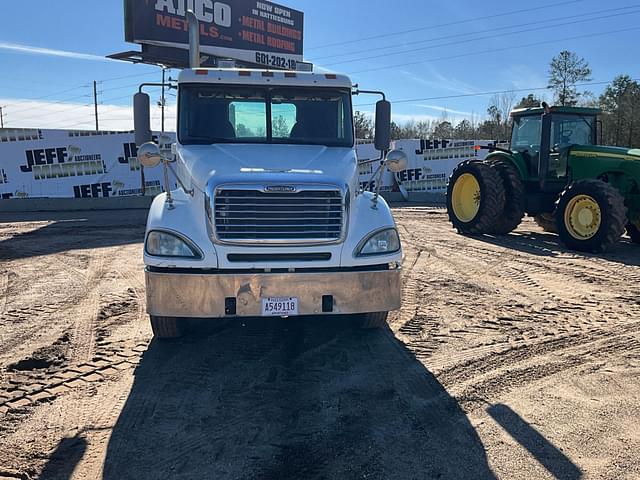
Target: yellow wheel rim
[583,217]
[465,198]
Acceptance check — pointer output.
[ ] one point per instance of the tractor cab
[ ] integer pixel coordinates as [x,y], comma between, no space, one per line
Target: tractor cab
[544,137]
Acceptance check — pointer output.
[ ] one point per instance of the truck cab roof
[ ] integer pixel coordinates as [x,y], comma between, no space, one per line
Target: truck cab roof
[521,112]
[245,76]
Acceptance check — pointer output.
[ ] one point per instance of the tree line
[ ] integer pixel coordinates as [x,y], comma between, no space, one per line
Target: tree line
[568,74]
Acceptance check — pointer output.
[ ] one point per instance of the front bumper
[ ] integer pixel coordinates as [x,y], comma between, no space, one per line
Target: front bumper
[203,295]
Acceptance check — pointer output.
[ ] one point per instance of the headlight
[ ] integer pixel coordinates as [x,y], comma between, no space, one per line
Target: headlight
[165,244]
[383,242]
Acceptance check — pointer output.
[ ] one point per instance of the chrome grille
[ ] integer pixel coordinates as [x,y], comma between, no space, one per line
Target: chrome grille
[257,216]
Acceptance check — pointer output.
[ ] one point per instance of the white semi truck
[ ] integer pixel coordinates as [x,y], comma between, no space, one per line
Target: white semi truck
[269,218]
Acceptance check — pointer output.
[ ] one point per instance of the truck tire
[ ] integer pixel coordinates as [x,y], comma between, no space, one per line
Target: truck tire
[547,221]
[634,233]
[590,216]
[165,327]
[375,320]
[475,198]
[514,196]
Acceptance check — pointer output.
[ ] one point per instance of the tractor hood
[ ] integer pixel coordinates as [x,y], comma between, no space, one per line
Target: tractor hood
[618,153]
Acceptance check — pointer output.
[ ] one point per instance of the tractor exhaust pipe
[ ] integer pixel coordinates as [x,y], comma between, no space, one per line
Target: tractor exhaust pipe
[194,39]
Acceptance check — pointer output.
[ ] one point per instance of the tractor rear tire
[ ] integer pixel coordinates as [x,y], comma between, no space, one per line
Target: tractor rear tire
[165,328]
[371,321]
[590,216]
[547,221]
[634,233]
[514,197]
[475,198]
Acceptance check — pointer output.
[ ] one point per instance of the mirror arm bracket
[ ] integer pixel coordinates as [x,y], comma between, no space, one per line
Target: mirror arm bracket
[377,177]
[357,91]
[376,195]
[169,85]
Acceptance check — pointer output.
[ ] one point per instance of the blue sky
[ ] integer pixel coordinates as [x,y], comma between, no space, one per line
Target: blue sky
[452,49]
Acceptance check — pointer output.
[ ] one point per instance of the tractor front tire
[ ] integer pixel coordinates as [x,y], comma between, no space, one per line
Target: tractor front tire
[514,196]
[546,221]
[634,233]
[475,198]
[165,328]
[590,216]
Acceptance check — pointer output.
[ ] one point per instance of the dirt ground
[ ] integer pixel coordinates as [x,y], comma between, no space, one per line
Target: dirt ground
[511,358]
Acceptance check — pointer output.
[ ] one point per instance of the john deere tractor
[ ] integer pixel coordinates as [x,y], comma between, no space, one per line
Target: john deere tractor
[556,172]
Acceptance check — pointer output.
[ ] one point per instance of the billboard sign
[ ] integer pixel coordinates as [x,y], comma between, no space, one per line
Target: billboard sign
[252,31]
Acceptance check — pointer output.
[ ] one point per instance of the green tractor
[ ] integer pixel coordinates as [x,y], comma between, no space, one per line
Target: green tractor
[555,172]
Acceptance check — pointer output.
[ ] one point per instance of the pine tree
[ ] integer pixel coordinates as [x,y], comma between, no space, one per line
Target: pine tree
[566,70]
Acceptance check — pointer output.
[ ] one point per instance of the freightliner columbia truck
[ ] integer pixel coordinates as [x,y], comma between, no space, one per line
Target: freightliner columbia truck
[268,218]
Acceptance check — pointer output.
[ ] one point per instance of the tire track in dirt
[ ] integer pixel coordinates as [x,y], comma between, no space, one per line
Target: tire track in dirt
[26,388]
[543,303]
[486,389]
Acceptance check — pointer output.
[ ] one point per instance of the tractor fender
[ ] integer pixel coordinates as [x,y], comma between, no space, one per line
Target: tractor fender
[516,160]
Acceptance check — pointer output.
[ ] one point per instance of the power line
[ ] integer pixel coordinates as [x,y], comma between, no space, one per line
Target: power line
[112,79]
[21,88]
[459,22]
[66,102]
[495,50]
[59,102]
[492,30]
[487,37]
[484,94]
[76,88]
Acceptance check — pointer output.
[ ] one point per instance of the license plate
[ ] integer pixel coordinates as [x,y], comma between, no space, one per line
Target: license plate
[279,307]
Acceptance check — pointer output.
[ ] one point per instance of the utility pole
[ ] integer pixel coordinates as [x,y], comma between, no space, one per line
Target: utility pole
[162,99]
[1,118]
[95,102]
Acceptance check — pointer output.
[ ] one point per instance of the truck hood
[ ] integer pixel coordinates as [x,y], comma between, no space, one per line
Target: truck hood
[605,151]
[246,163]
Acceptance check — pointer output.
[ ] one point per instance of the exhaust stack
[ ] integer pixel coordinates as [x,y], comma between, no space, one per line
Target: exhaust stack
[194,39]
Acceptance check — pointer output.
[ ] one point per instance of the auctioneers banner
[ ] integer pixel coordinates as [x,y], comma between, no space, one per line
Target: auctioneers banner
[430,163]
[74,164]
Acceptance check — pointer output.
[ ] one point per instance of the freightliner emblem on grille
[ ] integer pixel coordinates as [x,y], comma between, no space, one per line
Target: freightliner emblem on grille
[280,189]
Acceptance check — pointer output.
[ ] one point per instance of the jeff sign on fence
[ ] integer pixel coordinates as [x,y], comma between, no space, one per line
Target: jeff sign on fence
[67,163]
[258,32]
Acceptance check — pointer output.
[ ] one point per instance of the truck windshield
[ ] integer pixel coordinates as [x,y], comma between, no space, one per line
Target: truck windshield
[211,114]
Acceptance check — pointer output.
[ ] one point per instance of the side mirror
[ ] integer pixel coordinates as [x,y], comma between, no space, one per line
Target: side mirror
[149,155]
[397,161]
[383,125]
[142,118]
